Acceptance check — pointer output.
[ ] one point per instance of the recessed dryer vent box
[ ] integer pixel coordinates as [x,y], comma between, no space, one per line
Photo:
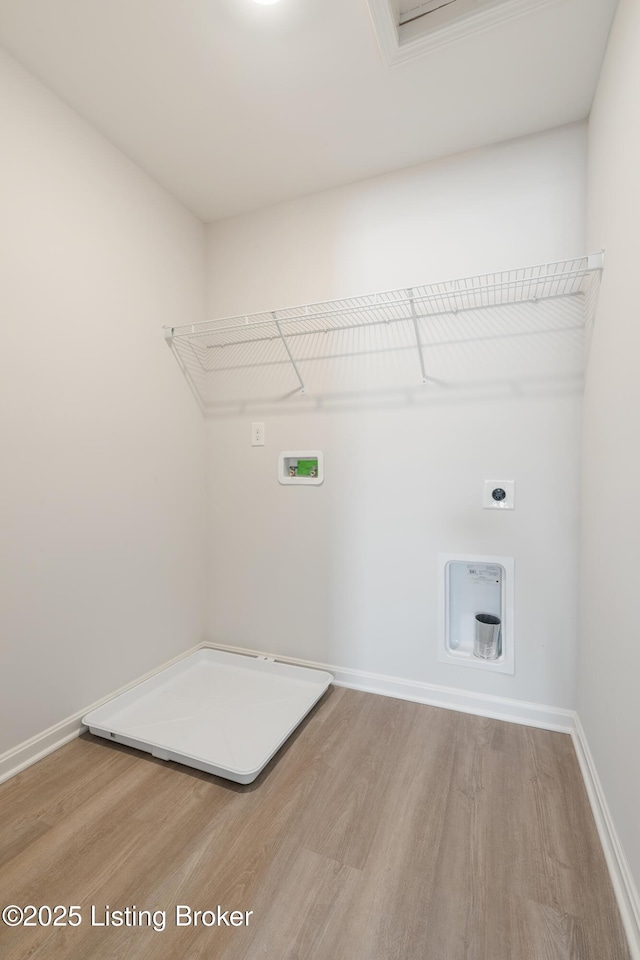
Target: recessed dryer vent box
[468,586]
[301,466]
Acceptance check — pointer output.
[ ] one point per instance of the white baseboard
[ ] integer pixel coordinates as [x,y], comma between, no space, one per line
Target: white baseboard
[500,708]
[466,701]
[623,884]
[17,759]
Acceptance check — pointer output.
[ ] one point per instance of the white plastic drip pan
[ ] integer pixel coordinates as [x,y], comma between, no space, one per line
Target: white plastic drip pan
[223,713]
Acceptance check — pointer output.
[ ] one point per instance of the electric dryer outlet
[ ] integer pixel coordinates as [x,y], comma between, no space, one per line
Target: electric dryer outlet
[499,495]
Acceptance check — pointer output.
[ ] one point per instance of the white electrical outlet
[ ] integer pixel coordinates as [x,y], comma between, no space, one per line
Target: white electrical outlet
[257,434]
[499,495]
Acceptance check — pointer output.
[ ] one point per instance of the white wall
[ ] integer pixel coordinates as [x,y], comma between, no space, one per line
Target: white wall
[102,477]
[609,657]
[345,573]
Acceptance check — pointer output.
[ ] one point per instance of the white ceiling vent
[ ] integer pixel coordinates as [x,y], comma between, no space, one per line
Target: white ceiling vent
[410,28]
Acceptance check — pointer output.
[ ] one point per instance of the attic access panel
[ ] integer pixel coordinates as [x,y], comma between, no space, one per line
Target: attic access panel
[433,14]
[411,28]
[223,713]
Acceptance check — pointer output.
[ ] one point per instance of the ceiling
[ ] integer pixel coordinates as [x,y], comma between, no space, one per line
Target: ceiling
[232,105]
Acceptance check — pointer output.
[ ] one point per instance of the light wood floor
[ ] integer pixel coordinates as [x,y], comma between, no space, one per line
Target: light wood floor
[384,830]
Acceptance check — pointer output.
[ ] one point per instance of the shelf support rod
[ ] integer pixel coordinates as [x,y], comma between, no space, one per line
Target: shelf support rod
[289,354]
[417,333]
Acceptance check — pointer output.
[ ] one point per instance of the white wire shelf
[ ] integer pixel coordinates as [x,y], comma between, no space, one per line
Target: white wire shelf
[198,346]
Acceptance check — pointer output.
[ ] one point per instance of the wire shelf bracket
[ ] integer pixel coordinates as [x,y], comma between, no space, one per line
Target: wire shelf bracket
[414,317]
[289,354]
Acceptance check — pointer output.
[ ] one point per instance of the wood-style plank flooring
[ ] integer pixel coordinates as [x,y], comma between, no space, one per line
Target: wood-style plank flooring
[383,830]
